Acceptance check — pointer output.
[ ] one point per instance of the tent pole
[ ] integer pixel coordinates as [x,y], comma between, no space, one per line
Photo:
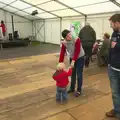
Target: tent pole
[44,32]
[85,19]
[12,25]
[115,2]
[60,28]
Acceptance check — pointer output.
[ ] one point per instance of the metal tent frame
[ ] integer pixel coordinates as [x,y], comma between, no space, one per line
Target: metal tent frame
[80,14]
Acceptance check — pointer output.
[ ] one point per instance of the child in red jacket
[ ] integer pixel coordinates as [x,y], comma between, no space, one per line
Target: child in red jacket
[61,78]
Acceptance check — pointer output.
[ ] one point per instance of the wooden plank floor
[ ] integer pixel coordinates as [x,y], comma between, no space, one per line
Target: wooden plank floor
[27,91]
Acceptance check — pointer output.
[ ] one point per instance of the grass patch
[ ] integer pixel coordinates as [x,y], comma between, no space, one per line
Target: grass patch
[34,43]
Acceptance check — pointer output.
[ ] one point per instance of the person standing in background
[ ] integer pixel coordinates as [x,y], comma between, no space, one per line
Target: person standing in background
[3,28]
[102,54]
[88,38]
[114,66]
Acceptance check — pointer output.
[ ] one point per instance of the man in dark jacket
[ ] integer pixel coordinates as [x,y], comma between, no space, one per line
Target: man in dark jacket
[88,38]
[114,66]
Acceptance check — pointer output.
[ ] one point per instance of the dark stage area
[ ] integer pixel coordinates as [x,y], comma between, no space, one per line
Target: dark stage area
[13,43]
[30,50]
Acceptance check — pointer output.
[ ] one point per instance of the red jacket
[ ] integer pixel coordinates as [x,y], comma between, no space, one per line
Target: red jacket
[61,77]
[3,28]
[76,51]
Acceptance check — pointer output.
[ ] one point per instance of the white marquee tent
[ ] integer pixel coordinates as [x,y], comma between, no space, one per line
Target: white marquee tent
[55,15]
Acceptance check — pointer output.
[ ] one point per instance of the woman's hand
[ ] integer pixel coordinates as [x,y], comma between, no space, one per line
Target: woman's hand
[72,63]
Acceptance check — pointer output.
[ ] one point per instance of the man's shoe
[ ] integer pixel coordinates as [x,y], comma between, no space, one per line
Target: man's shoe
[111,113]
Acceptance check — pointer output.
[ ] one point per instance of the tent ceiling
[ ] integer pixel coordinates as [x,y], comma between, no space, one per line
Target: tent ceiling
[75,3]
[21,5]
[2,5]
[37,2]
[118,1]
[97,8]
[29,10]
[66,12]
[10,9]
[51,6]
[7,1]
[22,13]
[58,8]
[45,15]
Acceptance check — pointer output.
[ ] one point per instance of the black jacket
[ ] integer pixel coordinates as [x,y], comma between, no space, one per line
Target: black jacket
[87,36]
[114,53]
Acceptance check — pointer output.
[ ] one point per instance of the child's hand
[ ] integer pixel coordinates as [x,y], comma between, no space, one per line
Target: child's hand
[113,44]
[70,67]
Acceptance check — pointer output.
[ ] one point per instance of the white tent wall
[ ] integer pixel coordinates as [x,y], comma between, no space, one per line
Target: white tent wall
[22,25]
[52,31]
[2,15]
[53,28]
[66,22]
[106,26]
[100,23]
[97,24]
[39,30]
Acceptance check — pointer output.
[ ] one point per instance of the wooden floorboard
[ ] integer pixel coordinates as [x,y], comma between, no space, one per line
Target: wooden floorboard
[27,90]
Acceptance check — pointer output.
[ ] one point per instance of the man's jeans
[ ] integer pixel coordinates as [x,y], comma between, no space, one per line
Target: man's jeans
[61,94]
[77,70]
[114,77]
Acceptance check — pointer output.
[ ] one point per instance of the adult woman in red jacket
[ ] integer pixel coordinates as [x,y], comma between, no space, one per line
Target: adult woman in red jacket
[74,47]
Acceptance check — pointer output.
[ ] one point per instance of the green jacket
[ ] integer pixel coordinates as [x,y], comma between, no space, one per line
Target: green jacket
[104,48]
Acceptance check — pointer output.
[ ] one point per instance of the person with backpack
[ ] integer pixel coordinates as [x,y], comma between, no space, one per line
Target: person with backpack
[88,37]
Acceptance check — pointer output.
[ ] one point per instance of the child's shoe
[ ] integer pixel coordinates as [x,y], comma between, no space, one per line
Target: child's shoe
[64,101]
[58,101]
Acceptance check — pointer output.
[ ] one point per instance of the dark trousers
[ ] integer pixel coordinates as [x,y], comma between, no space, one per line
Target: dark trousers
[88,54]
[61,94]
[87,60]
[4,34]
[102,60]
[77,71]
